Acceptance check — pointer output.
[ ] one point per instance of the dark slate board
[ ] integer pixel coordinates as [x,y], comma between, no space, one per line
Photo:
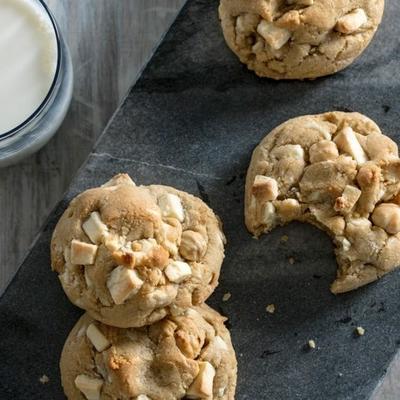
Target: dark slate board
[191,121]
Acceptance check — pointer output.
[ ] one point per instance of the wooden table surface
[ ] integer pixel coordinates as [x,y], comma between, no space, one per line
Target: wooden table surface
[110,41]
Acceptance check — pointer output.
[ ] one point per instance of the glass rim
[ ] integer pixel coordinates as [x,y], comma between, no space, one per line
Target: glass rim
[43,104]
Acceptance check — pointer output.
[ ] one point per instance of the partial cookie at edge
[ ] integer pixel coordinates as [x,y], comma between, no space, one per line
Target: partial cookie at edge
[188,355]
[299,39]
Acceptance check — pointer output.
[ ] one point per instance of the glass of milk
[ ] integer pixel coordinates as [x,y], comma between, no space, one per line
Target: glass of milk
[36,78]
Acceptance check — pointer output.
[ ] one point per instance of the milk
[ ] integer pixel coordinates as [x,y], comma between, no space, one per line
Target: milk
[28,60]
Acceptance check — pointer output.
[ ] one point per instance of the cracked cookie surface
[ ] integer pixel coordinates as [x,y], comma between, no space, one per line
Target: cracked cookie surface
[299,39]
[338,172]
[188,356]
[131,255]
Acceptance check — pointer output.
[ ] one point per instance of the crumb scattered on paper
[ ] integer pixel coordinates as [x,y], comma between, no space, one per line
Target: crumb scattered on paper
[270,308]
[44,379]
[311,344]
[226,296]
[291,260]
[360,331]
[284,238]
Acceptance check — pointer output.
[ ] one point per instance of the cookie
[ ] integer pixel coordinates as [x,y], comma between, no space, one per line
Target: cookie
[338,172]
[188,356]
[299,39]
[130,255]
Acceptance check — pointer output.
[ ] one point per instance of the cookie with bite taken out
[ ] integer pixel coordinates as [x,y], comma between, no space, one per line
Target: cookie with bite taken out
[338,172]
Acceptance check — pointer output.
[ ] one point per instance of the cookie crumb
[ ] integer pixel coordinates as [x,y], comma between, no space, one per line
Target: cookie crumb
[360,331]
[291,260]
[311,344]
[44,379]
[340,374]
[226,296]
[270,308]
[284,238]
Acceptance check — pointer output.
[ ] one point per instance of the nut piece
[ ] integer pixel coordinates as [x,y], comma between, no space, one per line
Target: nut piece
[387,216]
[171,206]
[123,283]
[301,2]
[274,36]
[265,188]
[325,150]
[352,22]
[347,141]
[178,271]
[99,341]
[172,235]
[369,180]
[124,257]
[82,253]
[345,203]
[148,252]
[94,228]
[90,387]
[202,386]
[193,246]
[120,179]
[288,209]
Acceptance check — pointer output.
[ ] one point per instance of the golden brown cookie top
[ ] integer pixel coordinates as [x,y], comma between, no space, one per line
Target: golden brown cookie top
[129,255]
[298,39]
[340,173]
[189,355]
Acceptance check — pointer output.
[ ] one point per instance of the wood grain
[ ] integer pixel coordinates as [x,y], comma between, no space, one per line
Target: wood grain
[110,41]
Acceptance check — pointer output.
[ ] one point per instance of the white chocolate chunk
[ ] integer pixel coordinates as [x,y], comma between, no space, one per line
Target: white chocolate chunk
[274,36]
[90,387]
[114,242]
[95,228]
[294,151]
[178,271]
[171,206]
[347,141]
[351,22]
[265,188]
[221,391]
[219,344]
[387,216]
[142,397]
[123,283]
[120,179]
[82,253]
[99,341]
[202,386]
[346,245]
[324,150]
[268,214]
